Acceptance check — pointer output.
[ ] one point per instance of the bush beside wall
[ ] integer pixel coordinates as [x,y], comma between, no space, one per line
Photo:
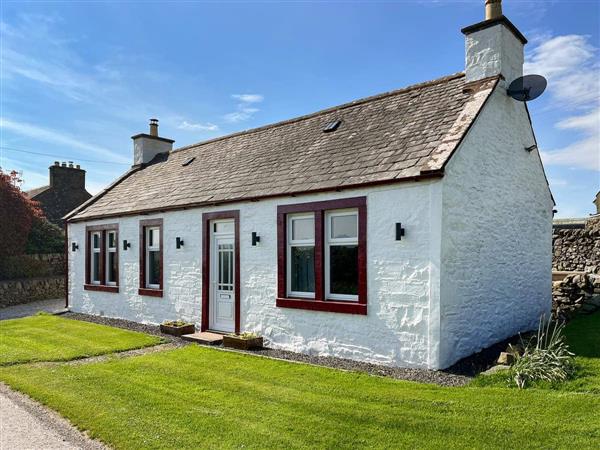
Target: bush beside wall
[32,266]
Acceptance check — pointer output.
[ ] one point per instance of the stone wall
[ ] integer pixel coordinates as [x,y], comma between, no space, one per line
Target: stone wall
[576,249]
[16,292]
[576,293]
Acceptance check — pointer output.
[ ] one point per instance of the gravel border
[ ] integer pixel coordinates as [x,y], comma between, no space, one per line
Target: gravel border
[50,420]
[442,378]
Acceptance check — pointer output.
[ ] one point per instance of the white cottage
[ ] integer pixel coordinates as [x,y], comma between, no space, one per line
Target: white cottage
[410,228]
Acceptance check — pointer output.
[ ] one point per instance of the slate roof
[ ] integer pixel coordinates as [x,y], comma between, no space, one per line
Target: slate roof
[33,192]
[399,135]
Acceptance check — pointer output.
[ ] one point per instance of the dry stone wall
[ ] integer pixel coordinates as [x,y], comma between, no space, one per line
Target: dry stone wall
[576,249]
[14,292]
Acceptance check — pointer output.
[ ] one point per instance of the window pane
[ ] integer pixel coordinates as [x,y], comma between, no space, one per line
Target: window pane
[153,267]
[303,269]
[96,267]
[112,267]
[96,238]
[343,269]
[224,227]
[303,229]
[111,239]
[153,237]
[344,227]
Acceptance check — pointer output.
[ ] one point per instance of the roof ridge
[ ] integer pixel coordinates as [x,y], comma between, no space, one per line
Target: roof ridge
[328,110]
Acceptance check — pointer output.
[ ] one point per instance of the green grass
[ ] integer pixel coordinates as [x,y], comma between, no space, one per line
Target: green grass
[196,397]
[50,338]
[583,336]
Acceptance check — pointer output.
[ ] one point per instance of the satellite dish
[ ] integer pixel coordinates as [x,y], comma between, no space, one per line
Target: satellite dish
[527,88]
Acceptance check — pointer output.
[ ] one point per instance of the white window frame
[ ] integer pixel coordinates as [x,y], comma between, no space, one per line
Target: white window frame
[107,262]
[297,243]
[155,247]
[93,251]
[328,242]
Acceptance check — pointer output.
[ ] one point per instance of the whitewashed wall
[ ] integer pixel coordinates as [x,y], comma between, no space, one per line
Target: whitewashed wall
[496,252]
[403,278]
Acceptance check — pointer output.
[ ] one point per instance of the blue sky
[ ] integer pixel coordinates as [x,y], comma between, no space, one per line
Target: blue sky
[78,79]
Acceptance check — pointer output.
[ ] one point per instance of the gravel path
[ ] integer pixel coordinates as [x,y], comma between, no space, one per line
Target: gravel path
[25,425]
[442,378]
[53,306]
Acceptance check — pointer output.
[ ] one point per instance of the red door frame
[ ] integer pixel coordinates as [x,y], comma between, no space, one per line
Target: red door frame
[206,219]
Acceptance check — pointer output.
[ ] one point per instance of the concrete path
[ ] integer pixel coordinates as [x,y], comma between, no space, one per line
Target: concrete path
[25,425]
[29,309]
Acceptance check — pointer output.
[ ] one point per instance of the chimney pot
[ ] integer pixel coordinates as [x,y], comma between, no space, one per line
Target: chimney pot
[493,9]
[56,163]
[153,127]
[64,164]
[71,164]
[78,166]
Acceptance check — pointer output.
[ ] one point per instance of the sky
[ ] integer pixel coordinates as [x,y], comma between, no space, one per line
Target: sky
[79,78]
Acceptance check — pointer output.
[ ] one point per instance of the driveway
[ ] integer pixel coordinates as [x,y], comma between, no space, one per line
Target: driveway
[25,424]
[54,305]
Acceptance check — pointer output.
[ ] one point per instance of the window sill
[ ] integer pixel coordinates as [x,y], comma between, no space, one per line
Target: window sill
[100,287]
[150,292]
[327,305]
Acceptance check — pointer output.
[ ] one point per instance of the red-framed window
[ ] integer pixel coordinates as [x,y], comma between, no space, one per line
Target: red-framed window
[102,258]
[322,255]
[151,257]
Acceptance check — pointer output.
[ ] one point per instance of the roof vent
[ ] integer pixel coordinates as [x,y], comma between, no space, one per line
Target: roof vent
[189,161]
[332,126]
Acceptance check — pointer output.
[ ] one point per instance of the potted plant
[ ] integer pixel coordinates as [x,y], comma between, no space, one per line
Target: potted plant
[177,328]
[244,341]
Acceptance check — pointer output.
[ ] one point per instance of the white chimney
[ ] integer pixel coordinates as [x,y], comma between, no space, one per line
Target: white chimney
[494,46]
[147,146]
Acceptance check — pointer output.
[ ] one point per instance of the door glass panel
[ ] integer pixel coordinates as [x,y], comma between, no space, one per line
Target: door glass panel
[343,266]
[344,227]
[303,229]
[303,269]
[225,267]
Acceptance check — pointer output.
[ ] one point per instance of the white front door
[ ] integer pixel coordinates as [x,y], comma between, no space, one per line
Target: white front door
[222,301]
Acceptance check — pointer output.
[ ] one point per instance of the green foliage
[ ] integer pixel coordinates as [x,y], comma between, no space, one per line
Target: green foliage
[246,335]
[45,237]
[176,323]
[52,338]
[546,357]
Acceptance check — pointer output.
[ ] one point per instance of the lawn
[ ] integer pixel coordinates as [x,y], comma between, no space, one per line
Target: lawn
[51,338]
[197,397]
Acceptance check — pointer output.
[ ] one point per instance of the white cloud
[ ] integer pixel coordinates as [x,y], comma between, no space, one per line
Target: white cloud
[185,125]
[571,65]
[58,137]
[248,98]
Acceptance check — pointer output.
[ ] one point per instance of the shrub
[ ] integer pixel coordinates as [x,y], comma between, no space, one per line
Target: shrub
[45,237]
[546,357]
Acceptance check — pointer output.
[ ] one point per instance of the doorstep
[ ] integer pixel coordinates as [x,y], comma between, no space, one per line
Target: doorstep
[205,337]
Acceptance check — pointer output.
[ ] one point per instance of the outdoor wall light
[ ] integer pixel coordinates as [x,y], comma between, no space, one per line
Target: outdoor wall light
[531,148]
[255,238]
[126,244]
[399,231]
[178,242]
[74,246]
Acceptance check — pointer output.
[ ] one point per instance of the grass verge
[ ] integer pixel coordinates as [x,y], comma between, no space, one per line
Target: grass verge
[52,338]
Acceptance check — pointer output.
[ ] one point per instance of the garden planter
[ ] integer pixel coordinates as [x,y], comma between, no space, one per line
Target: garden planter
[177,329]
[242,343]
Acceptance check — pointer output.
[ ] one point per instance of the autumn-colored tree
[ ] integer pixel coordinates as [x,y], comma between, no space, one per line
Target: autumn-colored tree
[17,212]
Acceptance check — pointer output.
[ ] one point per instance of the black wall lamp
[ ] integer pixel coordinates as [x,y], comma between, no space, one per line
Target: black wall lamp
[531,148]
[399,231]
[126,244]
[74,246]
[255,238]
[178,242]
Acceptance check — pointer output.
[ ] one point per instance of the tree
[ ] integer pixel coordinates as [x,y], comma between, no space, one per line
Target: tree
[17,212]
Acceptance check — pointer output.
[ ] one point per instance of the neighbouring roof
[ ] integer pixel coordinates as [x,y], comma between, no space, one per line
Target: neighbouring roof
[33,192]
[405,134]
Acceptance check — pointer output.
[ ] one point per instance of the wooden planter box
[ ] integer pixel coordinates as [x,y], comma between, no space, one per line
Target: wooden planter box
[178,330]
[241,343]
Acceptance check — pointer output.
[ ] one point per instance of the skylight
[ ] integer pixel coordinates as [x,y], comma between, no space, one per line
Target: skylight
[332,126]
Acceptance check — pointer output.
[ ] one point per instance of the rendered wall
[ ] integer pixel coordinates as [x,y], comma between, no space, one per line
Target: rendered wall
[496,252]
[403,279]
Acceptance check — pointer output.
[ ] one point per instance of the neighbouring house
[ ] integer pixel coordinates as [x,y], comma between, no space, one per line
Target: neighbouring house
[65,192]
[410,228]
